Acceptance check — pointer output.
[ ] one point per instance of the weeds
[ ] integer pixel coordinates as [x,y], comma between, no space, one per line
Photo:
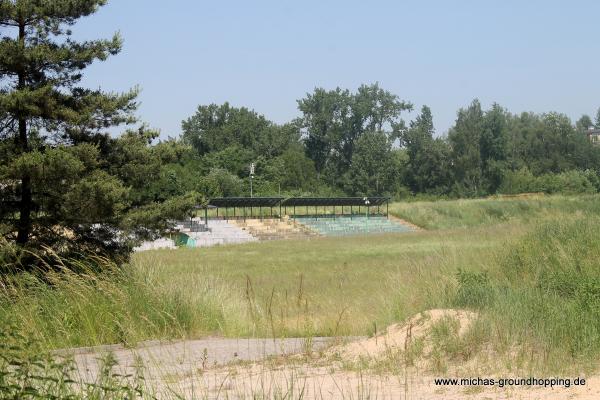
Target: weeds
[28,373]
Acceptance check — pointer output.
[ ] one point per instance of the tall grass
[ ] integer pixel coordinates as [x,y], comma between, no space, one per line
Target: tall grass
[450,214]
[324,287]
[540,302]
[63,308]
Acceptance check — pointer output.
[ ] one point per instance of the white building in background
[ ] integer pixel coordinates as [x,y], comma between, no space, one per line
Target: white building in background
[594,136]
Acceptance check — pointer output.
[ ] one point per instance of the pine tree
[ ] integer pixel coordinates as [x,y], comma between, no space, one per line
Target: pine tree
[58,189]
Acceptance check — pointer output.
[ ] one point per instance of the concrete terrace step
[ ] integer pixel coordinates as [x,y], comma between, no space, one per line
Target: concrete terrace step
[352,226]
[216,232]
[273,229]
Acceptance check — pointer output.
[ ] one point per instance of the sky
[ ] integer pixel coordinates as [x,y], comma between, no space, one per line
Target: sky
[530,55]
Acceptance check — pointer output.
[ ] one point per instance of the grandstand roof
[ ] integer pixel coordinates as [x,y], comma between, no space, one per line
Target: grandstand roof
[334,201]
[223,202]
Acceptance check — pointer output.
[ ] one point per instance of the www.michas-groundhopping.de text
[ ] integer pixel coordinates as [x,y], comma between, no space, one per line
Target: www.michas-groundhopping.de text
[504,382]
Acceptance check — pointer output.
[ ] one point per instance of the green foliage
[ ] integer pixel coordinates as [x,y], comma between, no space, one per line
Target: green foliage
[65,182]
[372,168]
[214,128]
[568,182]
[584,123]
[428,168]
[147,220]
[541,302]
[292,170]
[474,289]
[465,140]
[334,121]
[221,183]
[483,153]
[556,267]
[235,159]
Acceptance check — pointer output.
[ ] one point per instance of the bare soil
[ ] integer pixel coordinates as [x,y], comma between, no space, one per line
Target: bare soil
[317,368]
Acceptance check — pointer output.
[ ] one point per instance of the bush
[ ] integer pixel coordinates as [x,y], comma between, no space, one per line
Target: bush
[520,181]
[569,182]
[221,183]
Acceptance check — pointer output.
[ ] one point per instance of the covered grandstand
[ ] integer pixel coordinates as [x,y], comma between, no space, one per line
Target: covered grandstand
[232,220]
[261,207]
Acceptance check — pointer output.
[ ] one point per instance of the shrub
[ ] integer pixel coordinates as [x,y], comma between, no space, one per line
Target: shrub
[220,182]
[520,181]
[568,182]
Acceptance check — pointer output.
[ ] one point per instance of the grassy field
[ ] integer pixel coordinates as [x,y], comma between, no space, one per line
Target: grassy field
[527,265]
[324,286]
[450,214]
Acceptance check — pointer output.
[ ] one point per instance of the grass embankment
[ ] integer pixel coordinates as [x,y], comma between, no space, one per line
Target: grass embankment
[529,268]
[450,214]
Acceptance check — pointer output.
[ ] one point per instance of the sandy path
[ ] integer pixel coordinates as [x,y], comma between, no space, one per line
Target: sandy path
[217,368]
[325,382]
[185,357]
[318,369]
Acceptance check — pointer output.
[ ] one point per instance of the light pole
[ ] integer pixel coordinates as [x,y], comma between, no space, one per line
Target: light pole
[251,176]
[367,202]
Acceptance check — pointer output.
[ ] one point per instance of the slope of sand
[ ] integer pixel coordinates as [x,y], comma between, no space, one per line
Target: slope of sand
[398,337]
[322,376]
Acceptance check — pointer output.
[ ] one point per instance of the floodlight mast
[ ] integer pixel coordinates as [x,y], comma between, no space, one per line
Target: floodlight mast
[252,166]
[367,203]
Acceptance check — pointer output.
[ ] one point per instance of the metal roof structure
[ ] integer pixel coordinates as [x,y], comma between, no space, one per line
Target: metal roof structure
[244,206]
[334,201]
[225,202]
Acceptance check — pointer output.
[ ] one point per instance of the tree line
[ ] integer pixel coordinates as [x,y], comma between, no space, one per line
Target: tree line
[69,188]
[357,144]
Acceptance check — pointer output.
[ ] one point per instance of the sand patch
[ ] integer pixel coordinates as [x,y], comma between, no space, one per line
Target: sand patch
[399,337]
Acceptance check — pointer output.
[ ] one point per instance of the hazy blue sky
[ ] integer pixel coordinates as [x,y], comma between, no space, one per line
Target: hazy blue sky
[526,55]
